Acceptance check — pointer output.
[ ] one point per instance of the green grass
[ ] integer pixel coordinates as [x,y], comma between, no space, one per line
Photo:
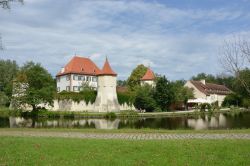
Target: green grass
[144,130]
[68,151]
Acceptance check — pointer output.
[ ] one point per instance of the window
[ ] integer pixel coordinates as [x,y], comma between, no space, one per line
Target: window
[79,88]
[58,79]
[94,79]
[68,77]
[79,78]
[83,78]
[74,77]
[75,88]
[58,89]
[88,78]
[68,88]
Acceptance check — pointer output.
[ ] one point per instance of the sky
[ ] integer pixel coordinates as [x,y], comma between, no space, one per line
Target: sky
[176,38]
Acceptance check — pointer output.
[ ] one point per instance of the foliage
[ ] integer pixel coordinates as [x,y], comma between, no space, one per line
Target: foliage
[232,99]
[126,97]
[181,93]
[240,88]
[128,113]
[134,79]
[110,115]
[5,4]
[246,103]
[205,106]
[204,76]
[121,83]
[3,99]
[144,99]
[8,71]
[37,84]
[87,96]
[164,93]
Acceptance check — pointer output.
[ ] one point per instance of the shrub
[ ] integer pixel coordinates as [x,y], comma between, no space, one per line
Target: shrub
[246,103]
[110,115]
[4,100]
[205,106]
[232,99]
[87,96]
[126,97]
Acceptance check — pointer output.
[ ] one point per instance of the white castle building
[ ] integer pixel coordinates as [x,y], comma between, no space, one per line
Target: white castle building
[77,72]
[81,71]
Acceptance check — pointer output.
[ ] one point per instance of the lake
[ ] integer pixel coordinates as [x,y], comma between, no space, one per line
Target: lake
[216,121]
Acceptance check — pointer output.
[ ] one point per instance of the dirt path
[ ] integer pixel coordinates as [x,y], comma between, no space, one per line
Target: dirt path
[127,136]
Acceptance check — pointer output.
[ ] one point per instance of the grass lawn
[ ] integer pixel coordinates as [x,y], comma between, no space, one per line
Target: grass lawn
[144,130]
[69,151]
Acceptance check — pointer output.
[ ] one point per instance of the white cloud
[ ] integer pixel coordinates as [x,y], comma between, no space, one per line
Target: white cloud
[173,41]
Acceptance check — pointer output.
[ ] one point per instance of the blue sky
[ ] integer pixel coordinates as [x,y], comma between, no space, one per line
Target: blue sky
[177,38]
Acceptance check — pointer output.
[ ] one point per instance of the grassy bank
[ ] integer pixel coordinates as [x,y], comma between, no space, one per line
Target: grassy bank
[61,151]
[144,130]
[5,112]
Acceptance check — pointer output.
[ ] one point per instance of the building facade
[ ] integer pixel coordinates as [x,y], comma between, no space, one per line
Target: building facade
[207,92]
[148,78]
[106,100]
[79,72]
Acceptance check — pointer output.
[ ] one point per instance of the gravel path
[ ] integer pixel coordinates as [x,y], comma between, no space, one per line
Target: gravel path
[125,136]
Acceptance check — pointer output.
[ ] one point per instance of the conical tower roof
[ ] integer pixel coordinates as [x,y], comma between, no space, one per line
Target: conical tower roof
[107,70]
[149,75]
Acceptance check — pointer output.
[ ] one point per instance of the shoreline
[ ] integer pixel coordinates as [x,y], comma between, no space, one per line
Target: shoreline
[111,115]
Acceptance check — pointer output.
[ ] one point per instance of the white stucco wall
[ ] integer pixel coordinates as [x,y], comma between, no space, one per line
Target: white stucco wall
[197,93]
[210,98]
[106,100]
[149,82]
[62,82]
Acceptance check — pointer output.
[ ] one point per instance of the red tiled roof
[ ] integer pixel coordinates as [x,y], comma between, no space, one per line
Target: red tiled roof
[209,88]
[80,65]
[149,75]
[107,70]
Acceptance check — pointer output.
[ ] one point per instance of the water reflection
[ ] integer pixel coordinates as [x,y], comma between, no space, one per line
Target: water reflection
[217,121]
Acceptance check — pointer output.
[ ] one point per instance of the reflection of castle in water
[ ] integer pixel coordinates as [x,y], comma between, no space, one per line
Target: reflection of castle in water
[16,122]
[203,122]
[207,122]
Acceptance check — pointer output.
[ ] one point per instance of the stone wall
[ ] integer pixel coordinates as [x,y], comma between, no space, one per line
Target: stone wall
[69,105]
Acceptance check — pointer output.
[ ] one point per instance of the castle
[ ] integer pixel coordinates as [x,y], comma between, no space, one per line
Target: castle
[83,71]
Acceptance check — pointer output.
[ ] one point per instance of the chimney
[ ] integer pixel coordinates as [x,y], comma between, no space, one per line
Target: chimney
[203,81]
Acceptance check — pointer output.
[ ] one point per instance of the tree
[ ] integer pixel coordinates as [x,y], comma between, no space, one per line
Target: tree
[121,83]
[235,56]
[203,76]
[5,4]
[38,85]
[8,71]
[144,99]
[135,77]
[181,93]
[164,94]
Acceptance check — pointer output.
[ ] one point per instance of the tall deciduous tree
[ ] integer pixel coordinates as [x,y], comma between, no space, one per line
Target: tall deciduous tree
[144,99]
[5,4]
[40,85]
[235,56]
[164,94]
[8,71]
[134,79]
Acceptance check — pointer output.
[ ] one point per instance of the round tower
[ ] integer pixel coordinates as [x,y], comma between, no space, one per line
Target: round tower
[106,100]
